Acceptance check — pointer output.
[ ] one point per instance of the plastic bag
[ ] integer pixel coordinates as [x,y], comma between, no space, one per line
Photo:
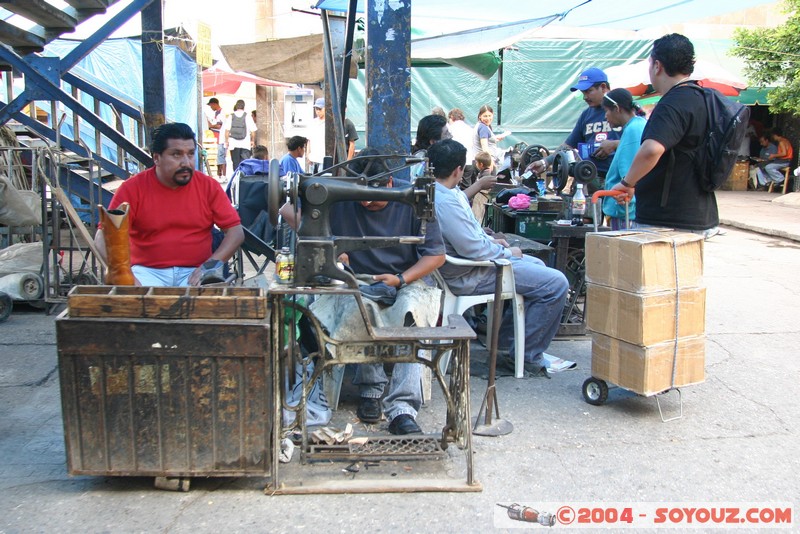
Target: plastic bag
[519,202]
[19,208]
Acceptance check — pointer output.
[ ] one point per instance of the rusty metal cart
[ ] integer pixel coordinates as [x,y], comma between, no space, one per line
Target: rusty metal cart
[166,382]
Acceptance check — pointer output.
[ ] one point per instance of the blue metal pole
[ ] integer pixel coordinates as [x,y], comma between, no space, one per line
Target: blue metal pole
[388,66]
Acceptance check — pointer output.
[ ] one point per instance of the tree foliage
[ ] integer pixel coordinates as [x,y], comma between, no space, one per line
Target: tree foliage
[772,58]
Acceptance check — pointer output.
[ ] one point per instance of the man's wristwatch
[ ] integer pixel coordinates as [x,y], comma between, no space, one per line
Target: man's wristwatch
[626,184]
[402,280]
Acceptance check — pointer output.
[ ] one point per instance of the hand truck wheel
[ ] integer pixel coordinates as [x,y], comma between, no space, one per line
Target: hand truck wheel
[595,391]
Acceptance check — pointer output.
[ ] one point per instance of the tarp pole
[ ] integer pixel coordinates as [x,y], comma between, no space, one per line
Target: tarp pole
[334,124]
[153,67]
[344,80]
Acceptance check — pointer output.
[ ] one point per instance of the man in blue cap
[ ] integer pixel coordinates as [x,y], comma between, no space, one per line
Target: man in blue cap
[593,136]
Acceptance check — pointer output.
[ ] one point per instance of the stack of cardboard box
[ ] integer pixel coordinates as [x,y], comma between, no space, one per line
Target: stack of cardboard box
[645,294]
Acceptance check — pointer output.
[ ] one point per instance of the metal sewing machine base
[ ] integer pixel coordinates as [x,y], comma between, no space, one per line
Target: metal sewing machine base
[382,463]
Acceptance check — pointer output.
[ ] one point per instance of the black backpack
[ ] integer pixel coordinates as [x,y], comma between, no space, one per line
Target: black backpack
[239,126]
[726,127]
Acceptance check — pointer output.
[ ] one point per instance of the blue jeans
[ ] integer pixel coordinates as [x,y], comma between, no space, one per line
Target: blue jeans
[544,292]
[405,395]
[168,277]
[771,172]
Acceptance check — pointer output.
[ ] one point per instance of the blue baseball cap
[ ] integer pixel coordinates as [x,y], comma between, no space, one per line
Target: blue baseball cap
[320,103]
[588,78]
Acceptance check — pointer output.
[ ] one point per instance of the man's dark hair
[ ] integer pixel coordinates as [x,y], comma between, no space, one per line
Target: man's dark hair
[675,52]
[295,142]
[239,105]
[260,152]
[446,156]
[213,101]
[172,130]
[370,166]
[430,129]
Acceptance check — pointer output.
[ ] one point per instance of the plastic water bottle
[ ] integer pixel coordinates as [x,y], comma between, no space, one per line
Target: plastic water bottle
[579,203]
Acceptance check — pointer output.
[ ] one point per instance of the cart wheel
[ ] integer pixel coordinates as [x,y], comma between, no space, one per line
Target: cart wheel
[31,286]
[6,305]
[595,391]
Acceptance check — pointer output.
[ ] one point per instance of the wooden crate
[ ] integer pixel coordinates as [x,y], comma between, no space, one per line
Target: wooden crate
[737,181]
[168,302]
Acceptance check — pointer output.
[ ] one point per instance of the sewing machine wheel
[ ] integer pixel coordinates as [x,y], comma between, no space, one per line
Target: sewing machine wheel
[560,172]
[530,154]
[584,171]
[275,192]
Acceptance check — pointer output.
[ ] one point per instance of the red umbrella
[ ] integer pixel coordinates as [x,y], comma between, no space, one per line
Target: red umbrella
[218,80]
[635,77]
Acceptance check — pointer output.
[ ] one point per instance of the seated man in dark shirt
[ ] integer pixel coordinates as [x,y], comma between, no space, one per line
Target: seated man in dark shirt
[394,270]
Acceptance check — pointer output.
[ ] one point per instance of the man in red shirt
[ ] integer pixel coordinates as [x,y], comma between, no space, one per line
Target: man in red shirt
[173,209]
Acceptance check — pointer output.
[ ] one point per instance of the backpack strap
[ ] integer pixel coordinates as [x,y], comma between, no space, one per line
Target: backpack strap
[671,162]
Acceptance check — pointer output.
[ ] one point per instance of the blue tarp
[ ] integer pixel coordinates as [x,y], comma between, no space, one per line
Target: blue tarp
[115,67]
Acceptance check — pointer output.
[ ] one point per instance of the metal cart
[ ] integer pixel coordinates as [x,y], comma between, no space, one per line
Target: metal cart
[595,390]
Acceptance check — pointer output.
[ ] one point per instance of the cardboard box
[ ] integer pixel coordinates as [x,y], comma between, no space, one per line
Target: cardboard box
[648,370]
[737,181]
[642,261]
[645,319]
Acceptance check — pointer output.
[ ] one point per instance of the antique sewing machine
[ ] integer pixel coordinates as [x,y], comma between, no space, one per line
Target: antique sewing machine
[316,248]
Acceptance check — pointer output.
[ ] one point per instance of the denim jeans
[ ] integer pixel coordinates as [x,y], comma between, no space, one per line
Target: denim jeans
[544,292]
[771,172]
[168,277]
[405,395]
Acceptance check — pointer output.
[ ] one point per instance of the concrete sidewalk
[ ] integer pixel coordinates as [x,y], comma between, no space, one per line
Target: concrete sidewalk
[765,213]
[734,446]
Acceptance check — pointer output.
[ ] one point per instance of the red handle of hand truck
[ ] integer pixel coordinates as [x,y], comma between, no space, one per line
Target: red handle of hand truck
[621,195]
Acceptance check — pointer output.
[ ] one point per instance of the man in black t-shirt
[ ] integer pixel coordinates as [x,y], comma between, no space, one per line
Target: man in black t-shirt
[675,130]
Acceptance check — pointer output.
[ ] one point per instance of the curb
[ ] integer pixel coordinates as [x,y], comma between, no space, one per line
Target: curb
[759,229]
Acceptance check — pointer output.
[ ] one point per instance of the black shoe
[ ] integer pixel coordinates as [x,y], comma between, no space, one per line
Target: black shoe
[404,424]
[380,293]
[369,410]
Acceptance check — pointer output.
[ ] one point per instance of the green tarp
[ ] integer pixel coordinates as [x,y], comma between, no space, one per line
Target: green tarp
[535,102]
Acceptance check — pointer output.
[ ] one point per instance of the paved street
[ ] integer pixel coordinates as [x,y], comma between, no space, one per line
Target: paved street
[736,442]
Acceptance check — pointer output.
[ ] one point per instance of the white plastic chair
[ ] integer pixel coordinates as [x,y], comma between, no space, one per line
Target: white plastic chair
[458,304]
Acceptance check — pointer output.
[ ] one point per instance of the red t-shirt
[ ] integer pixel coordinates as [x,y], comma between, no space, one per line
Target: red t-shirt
[172,227]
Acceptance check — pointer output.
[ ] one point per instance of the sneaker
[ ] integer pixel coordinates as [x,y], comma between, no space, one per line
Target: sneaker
[379,292]
[404,424]
[369,410]
[555,364]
